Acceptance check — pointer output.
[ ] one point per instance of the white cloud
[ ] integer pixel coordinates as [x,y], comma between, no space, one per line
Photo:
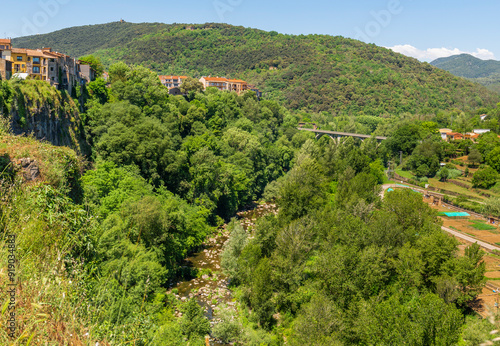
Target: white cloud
[434,53]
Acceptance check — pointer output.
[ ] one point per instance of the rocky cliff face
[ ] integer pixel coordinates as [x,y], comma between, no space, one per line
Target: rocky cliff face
[39,110]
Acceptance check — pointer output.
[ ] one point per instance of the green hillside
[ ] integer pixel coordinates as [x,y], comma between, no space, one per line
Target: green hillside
[307,72]
[468,66]
[485,72]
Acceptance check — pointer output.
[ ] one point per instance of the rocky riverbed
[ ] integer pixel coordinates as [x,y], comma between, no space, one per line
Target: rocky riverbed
[210,287]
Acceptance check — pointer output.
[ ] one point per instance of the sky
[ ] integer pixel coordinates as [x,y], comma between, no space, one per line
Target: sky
[423,29]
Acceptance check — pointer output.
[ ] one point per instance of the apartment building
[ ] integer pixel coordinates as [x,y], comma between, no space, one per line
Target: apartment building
[172,81]
[222,83]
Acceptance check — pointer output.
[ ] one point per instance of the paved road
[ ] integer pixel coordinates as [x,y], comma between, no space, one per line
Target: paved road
[449,230]
[470,239]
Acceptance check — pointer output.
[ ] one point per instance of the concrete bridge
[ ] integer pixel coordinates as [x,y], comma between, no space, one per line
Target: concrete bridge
[336,135]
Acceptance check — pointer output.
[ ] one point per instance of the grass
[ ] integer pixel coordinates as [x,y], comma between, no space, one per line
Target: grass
[404,174]
[482,226]
[455,188]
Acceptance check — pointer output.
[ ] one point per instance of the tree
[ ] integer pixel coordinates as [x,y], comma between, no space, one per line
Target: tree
[469,271]
[193,322]
[303,190]
[404,139]
[118,72]
[191,85]
[94,63]
[98,90]
[443,174]
[422,170]
[493,158]
[485,178]
[475,157]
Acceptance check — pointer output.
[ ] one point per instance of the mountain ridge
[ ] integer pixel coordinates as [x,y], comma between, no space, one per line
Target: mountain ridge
[484,72]
[311,73]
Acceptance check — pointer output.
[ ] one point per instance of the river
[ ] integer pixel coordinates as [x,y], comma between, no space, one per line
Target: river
[210,287]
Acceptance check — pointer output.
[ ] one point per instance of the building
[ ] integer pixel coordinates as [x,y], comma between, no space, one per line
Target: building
[5,44]
[444,133]
[5,49]
[256,90]
[172,81]
[472,136]
[483,117]
[60,70]
[222,83]
[481,131]
[86,72]
[5,69]
[19,58]
[454,136]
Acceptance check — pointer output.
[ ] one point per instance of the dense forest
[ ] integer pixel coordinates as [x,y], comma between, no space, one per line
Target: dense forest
[313,73]
[100,239]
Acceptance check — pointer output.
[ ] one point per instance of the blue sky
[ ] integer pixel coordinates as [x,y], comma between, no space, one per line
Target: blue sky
[424,29]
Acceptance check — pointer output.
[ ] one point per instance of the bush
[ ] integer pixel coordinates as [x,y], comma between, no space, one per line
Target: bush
[485,178]
[228,329]
[496,187]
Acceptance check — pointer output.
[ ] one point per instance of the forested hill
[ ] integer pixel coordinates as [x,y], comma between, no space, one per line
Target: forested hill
[485,72]
[307,72]
[468,66]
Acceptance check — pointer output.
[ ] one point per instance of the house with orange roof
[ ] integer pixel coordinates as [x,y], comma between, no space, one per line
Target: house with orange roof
[5,44]
[444,133]
[454,136]
[172,81]
[221,83]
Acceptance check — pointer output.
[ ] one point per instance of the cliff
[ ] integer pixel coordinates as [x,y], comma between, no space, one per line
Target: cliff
[37,109]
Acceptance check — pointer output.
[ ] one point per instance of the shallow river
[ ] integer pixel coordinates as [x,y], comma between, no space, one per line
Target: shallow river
[210,286]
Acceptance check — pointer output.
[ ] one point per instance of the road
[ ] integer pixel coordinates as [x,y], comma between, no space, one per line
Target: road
[470,239]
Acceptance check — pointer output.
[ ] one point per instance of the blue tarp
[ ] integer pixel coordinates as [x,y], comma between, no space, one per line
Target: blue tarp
[455,214]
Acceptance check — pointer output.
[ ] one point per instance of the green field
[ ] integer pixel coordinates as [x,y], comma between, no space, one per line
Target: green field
[482,226]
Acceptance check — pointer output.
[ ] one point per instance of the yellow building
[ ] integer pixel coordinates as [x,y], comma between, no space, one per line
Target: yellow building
[19,58]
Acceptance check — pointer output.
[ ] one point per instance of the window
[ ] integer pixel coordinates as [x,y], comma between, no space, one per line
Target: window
[36,69]
[52,68]
[29,59]
[36,60]
[2,47]
[19,58]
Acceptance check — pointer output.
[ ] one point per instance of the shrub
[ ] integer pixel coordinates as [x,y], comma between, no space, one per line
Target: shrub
[485,178]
